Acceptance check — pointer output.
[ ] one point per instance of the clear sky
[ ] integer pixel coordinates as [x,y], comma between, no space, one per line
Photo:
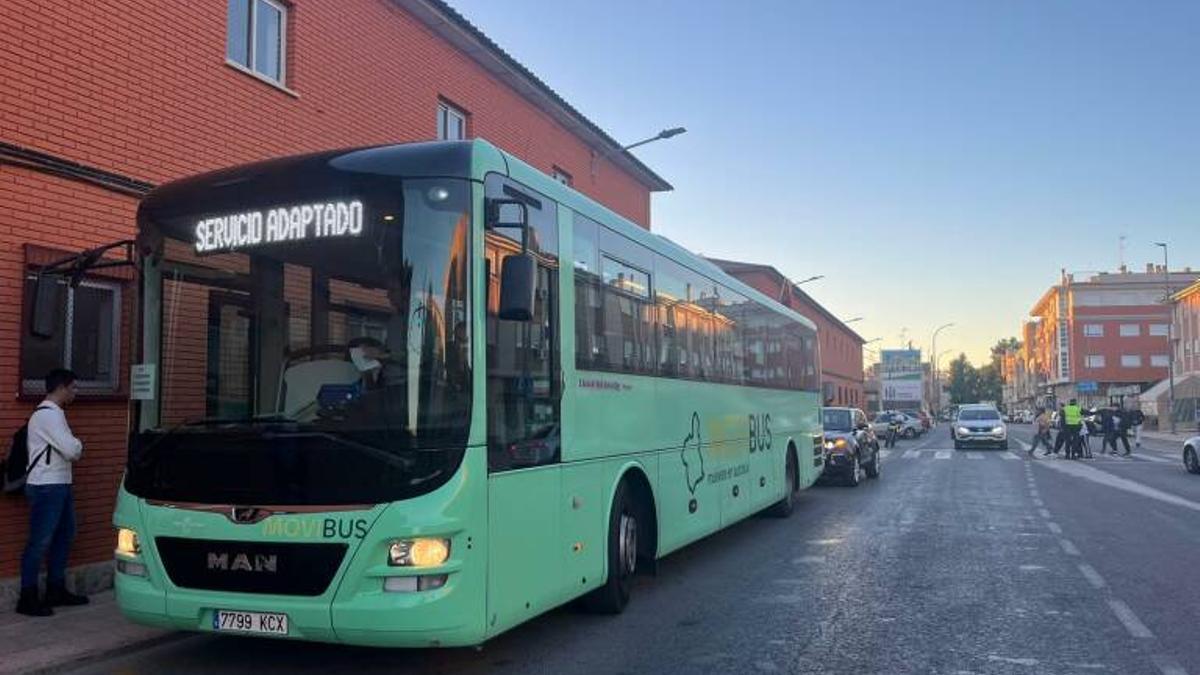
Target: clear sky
[937,161]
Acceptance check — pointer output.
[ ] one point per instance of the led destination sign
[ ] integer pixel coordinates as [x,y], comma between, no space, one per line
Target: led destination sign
[323,220]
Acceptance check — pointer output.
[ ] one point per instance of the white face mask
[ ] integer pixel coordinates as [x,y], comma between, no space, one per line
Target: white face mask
[363,362]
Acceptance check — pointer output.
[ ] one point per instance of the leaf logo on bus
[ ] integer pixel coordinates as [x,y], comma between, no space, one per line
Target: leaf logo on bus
[693,461]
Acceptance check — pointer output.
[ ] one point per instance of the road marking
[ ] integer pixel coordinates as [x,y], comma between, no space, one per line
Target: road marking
[1054,527]
[911,454]
[1168,665]
[1008,455]
[884,454]
[1092,576]
[943,454]
[1014,661]
[1031,568]
[1068,547]
[824,542]
[1105,478]
[974,455]
[1044,513]
[809,559]
[1132,624]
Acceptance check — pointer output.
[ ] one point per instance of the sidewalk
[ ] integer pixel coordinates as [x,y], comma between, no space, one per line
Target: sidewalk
[1178,437]
[71,636]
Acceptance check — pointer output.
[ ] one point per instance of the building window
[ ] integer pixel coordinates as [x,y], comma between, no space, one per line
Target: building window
[1093,330]
[256,37]
[1158,330]
[1130,330]
[85,338]
[1095,361]
[451,123]
[1160,360]
[561,176]
[1131,361]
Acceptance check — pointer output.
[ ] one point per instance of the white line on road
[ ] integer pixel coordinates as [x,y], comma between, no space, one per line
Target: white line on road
[1092,576]
[1132,624]
[911,454]
[974,455]
[943,454]
[884,454]
[1111,480]
[1068,547]
[1044,513]
[1054,527]
[1008,455]
[1038,502]
[809,560]
[1168,665]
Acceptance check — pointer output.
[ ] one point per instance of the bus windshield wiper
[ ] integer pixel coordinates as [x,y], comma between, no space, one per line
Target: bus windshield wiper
[405,463]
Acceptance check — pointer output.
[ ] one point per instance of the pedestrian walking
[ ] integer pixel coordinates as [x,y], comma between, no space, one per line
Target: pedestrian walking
[1060,438]
[52,450]
[1108,427]
[1122,424]
[1137,419]
[1085,434]
[1041,431]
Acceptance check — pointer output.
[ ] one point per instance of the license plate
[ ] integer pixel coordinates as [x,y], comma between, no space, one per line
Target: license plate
[264,623]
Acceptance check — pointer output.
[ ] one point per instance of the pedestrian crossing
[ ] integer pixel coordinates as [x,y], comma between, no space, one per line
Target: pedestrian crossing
[977,455]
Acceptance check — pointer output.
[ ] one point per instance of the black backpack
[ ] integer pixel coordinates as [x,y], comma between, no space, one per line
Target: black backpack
[16,467]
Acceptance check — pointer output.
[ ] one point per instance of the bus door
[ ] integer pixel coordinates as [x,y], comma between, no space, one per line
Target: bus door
[524,431]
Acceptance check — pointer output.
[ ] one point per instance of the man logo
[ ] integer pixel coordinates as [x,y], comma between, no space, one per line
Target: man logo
[241,562]
[244,515]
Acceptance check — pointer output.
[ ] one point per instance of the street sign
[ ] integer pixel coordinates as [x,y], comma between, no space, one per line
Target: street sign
[1087,386]
[1125,390]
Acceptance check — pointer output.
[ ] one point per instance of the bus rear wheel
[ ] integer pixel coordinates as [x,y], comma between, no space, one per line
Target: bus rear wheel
[783,508]
[612,597]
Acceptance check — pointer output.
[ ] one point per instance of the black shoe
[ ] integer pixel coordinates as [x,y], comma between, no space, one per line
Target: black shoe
[31,605]
[59,596]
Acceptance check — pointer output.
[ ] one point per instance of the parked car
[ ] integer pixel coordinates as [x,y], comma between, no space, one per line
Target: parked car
[851,447]
[910,427]
[1191,448]
[923,416]
[979,425]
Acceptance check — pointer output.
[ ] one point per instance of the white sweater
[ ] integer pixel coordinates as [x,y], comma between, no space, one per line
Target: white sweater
[49,427]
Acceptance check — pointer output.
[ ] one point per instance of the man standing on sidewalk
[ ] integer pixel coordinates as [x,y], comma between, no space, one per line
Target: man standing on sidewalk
[52,450]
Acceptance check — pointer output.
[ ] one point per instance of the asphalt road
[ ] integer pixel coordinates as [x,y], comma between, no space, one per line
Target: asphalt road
[952,562]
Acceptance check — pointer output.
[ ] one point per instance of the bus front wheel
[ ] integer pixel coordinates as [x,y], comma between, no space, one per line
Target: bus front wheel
[612,597]
[783,508]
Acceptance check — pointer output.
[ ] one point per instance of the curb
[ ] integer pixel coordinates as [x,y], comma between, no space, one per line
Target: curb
[110,651]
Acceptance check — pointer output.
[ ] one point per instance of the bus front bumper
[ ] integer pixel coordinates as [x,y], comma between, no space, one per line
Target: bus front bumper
[445,616]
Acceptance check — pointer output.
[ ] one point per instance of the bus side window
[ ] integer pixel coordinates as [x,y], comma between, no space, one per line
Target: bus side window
[523,369]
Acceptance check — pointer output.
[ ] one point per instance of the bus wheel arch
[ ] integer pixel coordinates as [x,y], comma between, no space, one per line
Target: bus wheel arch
[791,462]
[631,516]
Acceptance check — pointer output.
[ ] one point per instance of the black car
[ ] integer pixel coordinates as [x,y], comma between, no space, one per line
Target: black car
[851,447]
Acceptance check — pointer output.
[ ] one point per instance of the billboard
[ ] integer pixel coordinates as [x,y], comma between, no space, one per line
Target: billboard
[901,378]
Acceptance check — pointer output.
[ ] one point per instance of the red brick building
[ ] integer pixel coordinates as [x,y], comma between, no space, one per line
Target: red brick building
[1106,332]
[100,101]
[841,348]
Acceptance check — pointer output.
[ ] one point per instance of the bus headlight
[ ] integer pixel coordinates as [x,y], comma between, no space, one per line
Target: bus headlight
[421,552]
[127,542]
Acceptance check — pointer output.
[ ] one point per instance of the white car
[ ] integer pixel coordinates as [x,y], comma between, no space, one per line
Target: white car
[979,425]
[1191,451]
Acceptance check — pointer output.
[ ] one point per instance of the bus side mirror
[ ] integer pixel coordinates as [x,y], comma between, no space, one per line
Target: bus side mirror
[518,282]
[46,303]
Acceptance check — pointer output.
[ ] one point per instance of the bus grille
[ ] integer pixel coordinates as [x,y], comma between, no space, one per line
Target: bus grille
[272,568]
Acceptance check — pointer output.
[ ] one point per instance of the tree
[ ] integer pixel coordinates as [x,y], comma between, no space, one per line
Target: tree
[1011,344]
[963,382]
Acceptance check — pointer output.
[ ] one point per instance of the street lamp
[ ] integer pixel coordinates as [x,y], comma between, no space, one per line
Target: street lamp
[933,348]
[662,135]
[790,284]
[1170,337]
[857,318]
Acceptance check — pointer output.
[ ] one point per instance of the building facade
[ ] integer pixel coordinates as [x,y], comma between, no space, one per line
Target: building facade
[143,95]
[1186,329]
[841,348]
[1103,337]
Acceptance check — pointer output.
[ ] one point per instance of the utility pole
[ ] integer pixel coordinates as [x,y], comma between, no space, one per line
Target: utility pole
[1170,337]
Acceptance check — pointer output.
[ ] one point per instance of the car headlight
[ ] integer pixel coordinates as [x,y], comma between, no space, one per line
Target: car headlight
[419,552]
[964,430]
[127,542]
[997,430]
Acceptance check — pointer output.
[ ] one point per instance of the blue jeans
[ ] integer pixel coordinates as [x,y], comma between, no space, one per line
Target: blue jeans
[51,530]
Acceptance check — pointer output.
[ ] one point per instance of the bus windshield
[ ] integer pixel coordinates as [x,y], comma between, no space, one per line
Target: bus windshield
[313,354]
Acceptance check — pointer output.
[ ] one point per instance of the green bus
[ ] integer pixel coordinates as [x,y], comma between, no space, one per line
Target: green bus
[414,395]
